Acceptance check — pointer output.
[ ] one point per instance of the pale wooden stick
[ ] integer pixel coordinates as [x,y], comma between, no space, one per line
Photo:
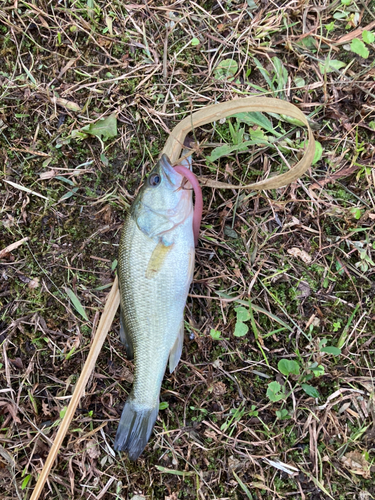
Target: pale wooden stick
[173,149]
[113,301]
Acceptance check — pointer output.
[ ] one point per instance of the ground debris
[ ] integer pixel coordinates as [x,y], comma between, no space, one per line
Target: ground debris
[298,261]
[301,254]
[356,463]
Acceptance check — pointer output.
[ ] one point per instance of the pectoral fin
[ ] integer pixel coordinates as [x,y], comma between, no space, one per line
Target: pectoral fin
[175,354]
[157,259]
[125,338]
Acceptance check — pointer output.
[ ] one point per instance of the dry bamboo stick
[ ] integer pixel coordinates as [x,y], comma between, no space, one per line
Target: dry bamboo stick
[173,149]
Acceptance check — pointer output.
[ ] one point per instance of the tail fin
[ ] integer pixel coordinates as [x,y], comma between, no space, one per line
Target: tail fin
[135,428]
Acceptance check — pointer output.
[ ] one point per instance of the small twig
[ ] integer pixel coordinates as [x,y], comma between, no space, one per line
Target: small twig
[12,247]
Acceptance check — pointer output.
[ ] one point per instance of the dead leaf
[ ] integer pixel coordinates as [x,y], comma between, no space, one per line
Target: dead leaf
[25,202]
[305,290]
[126,375]
[49,174]
[170,497]
[293,222]
[45,409]
[11,409]
[235,463]
[311,321]
[344,172]
[301,254]
[356,463]
[219,388]
[34,283]
[210,434]
[17,362]
[92,449]
[7,223]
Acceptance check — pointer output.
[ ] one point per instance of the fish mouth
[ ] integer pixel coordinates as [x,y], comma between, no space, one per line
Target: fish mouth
[173,177]
[166,164]
[170,172]
[188,182]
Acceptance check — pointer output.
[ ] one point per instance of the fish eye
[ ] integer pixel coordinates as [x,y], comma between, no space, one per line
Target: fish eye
[154,180]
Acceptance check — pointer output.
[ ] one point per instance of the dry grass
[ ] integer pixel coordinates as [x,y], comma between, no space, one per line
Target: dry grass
[304,255]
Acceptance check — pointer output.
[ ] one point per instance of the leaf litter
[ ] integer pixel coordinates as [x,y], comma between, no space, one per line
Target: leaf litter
[95,65]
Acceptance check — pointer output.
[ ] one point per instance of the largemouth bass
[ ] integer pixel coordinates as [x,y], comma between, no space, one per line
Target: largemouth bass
[156,264]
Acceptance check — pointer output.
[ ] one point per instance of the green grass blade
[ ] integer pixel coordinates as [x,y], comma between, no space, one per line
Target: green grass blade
[243,486]
[344,334]
[76,303]
[264,73]
[174,472]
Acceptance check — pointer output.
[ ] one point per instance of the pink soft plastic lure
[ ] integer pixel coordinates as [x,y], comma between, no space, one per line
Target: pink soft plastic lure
[198,204]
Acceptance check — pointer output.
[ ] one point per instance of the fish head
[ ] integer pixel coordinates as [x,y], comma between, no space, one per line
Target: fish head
[162,203]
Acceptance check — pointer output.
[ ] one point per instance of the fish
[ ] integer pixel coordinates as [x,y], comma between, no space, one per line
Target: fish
[155,269]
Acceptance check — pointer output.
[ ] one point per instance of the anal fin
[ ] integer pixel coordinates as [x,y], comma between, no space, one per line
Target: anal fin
[125,338]
[175,354]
